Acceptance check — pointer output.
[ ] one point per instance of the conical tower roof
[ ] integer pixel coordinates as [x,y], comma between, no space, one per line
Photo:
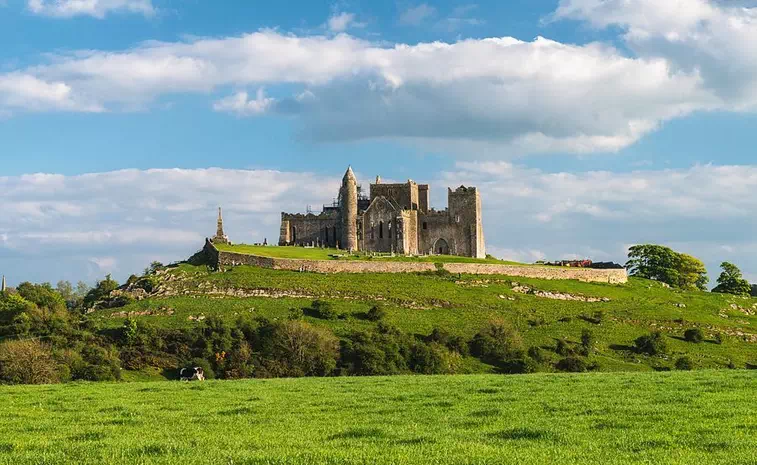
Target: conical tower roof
[349,175]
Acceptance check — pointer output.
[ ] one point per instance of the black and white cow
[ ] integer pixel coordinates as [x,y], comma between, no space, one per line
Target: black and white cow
[192,374]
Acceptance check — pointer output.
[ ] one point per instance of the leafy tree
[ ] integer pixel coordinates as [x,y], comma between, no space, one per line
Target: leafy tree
[101,290]
[42,295]
[667,266]
[153,268]
[731,281]
[652,344]
[692,274]
[694,335]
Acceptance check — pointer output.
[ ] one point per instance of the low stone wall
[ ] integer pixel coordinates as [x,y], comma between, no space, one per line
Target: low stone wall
[618,276]
[221,259]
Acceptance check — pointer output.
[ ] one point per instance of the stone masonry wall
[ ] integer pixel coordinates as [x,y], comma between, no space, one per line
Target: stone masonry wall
[618,276]
[336,266]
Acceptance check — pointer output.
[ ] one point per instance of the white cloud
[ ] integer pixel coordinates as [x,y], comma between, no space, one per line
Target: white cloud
[340,22]
[132,217]
[414,16]
[496,96]
[95,8]
[241,105]
[137,216]
[707,36]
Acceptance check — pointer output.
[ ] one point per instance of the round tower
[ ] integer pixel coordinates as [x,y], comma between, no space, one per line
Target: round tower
[348,210]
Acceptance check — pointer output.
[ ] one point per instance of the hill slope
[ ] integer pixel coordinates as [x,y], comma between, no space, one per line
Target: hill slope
[418,303]
[610,418]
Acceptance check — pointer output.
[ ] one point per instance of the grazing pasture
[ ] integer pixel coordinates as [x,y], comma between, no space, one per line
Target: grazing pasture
[701,417]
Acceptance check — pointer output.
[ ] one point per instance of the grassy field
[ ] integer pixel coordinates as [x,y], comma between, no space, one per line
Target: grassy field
[418,303]
[703,417]
[337,254]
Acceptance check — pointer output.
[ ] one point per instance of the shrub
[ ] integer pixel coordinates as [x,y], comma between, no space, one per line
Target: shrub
[720,338]
[572,365]
[295,314]
[324,310]
[385,351]
[297,348]
[684,363]
[376,313]
[536,354]
[520,365]
[694,335]
[496,342]
[434,359]
[27,362]
[651,344]
[587,342]
[562,347]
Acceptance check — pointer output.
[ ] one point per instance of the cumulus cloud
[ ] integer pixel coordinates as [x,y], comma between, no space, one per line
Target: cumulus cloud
[95,8]
[706,36]
[500,96]
[534,96]
[133,217]
[241,104]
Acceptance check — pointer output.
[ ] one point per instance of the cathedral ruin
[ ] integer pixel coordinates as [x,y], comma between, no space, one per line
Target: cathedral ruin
[394,218]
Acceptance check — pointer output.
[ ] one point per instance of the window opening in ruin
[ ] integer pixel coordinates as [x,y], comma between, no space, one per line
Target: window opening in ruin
[425,225]
[381,229]
[390,230]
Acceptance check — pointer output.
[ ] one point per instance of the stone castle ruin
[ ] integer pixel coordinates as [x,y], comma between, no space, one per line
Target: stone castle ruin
[394,218]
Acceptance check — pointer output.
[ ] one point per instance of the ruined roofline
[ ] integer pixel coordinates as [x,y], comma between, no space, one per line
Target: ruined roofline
[297,216]
[462,190]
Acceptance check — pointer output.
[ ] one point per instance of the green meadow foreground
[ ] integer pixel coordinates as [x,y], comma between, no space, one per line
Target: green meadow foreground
[704,417]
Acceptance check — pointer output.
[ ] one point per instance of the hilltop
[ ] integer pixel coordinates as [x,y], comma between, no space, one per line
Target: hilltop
[544,312]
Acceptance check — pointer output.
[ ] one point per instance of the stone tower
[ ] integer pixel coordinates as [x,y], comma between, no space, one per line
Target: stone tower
[220,237]
[348,210]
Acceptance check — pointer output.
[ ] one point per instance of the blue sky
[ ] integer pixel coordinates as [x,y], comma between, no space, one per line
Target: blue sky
[589,125]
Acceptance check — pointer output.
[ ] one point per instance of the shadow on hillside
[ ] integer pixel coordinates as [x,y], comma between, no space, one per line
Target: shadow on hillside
[621,347]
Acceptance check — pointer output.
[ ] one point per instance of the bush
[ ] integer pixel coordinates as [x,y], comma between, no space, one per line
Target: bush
[652,344]
[587,342]
[694,335]
[496,343]
[563,348]
[572,365]
[376,313]
[434,359]
[295,314]
[385,351]
[296,348]
[684,363]
[536,354]
[720,338]
[324,310]
[27,362]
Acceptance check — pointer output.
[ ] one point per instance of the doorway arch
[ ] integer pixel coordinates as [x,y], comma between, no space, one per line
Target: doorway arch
[441,247]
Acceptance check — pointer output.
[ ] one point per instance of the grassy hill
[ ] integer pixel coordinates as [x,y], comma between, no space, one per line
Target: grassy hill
[703,417]
[418,303]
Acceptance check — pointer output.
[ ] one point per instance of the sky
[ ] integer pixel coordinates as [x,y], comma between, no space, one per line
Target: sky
[588,125]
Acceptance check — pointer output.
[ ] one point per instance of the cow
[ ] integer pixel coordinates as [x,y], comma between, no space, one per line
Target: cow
[192,374]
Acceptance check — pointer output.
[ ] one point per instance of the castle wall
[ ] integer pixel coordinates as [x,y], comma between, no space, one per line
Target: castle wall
[310,229]
[408,227]
[380,227]
[405,195]
[224,259]
[465,211]
[423,197]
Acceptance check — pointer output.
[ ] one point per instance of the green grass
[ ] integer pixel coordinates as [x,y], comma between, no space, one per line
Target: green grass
[417,303]
[700,417]
[337,254]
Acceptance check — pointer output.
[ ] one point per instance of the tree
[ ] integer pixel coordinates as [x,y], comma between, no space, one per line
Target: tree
[667,266]
[692,274]
[42,295]
[100,291]
[731,281]
[27,362]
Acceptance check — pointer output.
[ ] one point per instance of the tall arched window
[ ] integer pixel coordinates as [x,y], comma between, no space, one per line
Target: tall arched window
[390,230]
[294,233]
[381,229]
